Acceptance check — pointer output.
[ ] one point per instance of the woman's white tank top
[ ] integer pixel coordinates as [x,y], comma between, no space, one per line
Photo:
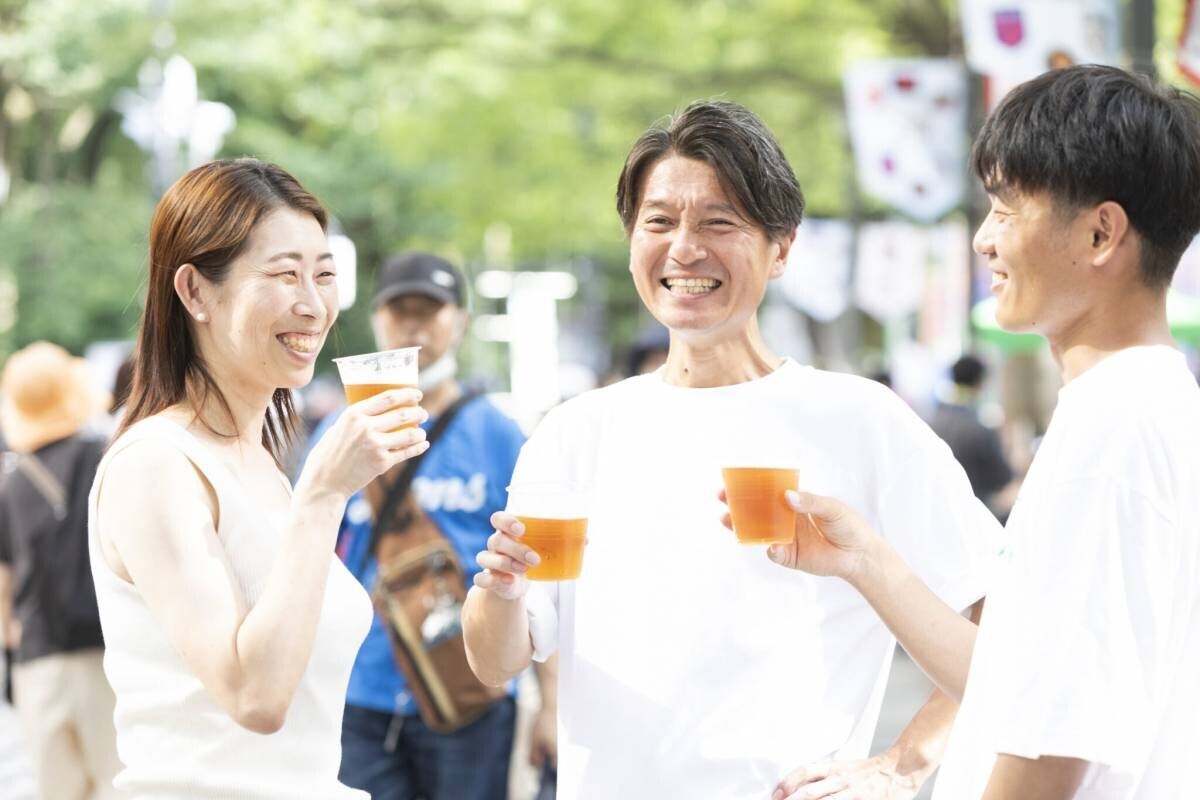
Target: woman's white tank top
[173,739]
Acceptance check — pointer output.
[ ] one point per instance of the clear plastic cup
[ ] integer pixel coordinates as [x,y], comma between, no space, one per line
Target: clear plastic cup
[555,516]
[370,374]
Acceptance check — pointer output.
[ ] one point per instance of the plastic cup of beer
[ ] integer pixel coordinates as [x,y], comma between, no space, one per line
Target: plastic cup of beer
[370,374]
[757,506]
[555,517]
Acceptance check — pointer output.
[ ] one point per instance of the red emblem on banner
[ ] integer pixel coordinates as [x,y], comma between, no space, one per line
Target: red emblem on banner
[1009,28]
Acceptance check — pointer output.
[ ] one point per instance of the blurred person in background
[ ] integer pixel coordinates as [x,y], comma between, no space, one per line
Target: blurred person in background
[882,376]
[1082,681]
[230,626]
[976,446]
[47,600]
[691,668]
[649,351]
[388,749]
[122,383]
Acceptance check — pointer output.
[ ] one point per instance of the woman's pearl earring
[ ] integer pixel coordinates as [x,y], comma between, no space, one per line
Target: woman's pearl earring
[201,316]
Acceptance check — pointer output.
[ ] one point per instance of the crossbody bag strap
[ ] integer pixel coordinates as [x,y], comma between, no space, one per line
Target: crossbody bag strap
[48,486]
[399,489]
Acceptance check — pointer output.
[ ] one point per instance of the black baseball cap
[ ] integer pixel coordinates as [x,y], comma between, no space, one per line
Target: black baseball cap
[419,273]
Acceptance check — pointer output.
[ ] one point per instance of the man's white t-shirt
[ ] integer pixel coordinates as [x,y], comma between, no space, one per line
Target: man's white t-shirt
[1089,646]
[692,666]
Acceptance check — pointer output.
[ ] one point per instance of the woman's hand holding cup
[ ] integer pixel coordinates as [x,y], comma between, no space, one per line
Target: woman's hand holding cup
[369,438]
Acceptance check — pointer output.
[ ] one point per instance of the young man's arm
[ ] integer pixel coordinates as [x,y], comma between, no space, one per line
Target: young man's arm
[1045,778]
[833,540]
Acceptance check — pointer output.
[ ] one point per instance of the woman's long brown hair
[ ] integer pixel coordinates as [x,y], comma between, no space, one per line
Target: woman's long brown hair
[205,219]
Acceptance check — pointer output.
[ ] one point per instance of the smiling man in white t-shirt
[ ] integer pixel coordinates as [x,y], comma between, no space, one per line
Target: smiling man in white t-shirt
[690,667]
[1085,675]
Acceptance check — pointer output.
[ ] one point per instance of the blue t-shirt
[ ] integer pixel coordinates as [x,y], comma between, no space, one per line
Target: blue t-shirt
[461,481]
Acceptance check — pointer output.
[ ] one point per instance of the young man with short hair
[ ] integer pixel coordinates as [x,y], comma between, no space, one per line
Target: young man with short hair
[1083,677]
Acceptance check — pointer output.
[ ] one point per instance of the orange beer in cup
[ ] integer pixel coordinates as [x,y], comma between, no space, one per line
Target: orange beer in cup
[757,506]
[555,520]
[361,391]
[559,543]
[370,374]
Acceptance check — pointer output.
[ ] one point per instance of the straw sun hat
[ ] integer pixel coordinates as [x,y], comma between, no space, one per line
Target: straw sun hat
[46,394]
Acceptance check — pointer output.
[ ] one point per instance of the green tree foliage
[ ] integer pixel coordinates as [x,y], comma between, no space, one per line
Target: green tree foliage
[421,123]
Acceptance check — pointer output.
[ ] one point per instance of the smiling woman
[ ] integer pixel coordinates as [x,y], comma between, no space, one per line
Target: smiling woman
[226,614]
[205,221]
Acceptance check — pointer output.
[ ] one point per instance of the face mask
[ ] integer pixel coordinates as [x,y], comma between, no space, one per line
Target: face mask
[437,373]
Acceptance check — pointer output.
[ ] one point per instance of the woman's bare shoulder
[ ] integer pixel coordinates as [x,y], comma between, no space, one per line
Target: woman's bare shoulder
[153,478]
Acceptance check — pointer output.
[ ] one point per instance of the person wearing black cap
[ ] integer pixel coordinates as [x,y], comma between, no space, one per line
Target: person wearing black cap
[649,351]
[387,747]
[419,301]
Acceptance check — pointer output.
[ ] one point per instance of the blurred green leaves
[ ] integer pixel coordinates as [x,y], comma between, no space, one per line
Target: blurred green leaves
[420,123]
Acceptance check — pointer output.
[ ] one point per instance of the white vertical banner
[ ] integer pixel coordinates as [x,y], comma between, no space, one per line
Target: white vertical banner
[817,279]
[889,281]
[908,126]
[345,258]
[1012,41]
[942,323]
[1189,42]
[533,349]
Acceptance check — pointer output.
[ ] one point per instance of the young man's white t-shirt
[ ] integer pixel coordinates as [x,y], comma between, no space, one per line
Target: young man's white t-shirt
[691,666]
[1089,646]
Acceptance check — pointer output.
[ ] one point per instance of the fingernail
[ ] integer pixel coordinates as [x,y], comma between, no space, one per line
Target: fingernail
[793,497]
[774,553]
[518,529]
[532,559]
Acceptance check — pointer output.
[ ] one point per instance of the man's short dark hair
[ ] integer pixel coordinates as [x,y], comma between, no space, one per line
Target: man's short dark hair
[1089,134]
[733,141]
[968,372]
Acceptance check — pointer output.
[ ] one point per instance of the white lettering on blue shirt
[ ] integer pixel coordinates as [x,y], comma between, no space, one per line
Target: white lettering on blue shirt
[451,494]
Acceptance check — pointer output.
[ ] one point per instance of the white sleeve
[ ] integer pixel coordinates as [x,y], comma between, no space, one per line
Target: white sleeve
[1083,648]
[930,515]
[541,606]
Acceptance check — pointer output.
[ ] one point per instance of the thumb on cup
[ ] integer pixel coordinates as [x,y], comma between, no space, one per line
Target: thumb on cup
[799,501]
